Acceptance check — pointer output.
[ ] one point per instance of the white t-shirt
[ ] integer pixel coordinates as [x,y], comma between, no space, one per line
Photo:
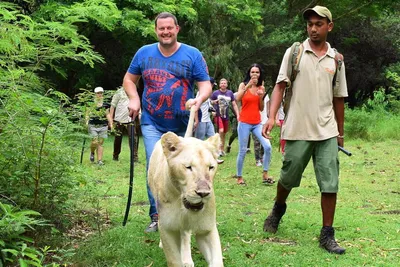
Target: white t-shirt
[264,113]
[205,107]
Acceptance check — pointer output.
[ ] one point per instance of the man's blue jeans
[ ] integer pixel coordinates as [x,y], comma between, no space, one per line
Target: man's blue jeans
[204,130]
[150,137]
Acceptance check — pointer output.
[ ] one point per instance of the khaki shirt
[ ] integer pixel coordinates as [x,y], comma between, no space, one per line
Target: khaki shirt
[120,102]
[311,115]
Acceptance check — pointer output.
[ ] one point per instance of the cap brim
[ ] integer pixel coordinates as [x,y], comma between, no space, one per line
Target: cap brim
[309,11]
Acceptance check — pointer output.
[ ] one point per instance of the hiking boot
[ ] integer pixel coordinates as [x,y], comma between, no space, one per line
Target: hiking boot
[272,222]
[228,149]
[153,226]
[327,241]
[100,163]
[91,157]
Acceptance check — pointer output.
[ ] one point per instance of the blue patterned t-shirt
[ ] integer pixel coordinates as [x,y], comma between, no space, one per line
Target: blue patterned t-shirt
[168,84]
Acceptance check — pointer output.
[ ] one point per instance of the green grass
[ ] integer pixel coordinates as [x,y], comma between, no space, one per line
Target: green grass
[369,187]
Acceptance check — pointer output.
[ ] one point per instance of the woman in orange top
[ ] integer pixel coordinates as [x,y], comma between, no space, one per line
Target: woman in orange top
[251,92]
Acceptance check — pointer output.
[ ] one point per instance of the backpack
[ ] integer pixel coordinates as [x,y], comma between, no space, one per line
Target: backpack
[296,52]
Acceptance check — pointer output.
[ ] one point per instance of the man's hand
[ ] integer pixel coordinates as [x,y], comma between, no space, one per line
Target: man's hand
[267,128]
[194,102]
[134,107]
[340,141]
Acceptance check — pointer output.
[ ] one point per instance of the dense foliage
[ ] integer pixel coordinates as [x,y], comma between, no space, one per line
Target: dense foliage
[53,50]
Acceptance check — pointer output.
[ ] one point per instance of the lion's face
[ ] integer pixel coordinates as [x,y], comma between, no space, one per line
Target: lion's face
[192,164]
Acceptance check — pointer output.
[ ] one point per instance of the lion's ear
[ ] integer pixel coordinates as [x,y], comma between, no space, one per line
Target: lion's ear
[214,142]
[170,143]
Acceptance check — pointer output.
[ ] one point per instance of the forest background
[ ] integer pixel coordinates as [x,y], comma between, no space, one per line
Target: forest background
[53,53]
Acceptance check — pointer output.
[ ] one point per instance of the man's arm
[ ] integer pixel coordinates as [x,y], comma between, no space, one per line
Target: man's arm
[112,111]
[338,107]
[129,85]
[276,99]
[114,103]
[204,93]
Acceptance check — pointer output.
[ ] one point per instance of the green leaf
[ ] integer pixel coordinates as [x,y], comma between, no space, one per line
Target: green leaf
[22,263]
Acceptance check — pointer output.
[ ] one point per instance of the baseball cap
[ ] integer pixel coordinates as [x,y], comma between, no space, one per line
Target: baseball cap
[319,10]
[98,89]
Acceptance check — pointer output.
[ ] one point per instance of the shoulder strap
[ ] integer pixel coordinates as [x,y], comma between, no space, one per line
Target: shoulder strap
[296,52]
[296,58]
[338,59]
[338,63]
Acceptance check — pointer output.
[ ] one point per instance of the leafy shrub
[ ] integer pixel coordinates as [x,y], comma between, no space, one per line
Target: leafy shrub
[357,122]
[14,244]
[39,142]
[36,171]
[376,124]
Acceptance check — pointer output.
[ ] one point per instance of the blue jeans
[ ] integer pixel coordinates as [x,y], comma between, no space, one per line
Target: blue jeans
[244,131]
[204,130]
[150,137]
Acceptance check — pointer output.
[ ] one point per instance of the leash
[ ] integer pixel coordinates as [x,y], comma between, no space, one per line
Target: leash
[83,148]
[132,144]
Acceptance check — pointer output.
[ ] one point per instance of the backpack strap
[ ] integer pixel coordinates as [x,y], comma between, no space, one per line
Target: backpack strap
[296,52]
[296,58]
[338,63]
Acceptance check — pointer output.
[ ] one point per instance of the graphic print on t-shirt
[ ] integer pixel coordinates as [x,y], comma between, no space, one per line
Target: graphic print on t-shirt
[164,92]
[223,103]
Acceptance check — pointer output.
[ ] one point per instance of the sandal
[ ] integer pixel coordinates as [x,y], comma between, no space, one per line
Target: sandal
[268,181]
[240,181]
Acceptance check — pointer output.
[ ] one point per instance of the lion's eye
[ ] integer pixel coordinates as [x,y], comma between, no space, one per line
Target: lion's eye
[188,167]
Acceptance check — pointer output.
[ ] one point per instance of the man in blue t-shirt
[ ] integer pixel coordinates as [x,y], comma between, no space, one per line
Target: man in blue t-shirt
[169,70]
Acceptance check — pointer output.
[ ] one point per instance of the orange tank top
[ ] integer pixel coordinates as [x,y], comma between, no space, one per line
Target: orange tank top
[250,112]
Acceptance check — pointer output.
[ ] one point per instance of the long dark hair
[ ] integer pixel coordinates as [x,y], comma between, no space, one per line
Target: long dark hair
[260,79]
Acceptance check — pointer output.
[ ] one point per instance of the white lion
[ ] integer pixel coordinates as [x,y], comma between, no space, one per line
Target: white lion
[181,173]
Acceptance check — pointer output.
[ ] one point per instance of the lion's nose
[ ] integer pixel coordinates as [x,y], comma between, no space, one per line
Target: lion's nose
[202,194]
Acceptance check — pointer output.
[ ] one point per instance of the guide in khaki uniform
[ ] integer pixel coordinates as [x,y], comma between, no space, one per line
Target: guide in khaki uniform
[313,125]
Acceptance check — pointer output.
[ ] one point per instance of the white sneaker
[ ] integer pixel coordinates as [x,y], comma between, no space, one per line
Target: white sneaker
[100,163]
[258,163]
